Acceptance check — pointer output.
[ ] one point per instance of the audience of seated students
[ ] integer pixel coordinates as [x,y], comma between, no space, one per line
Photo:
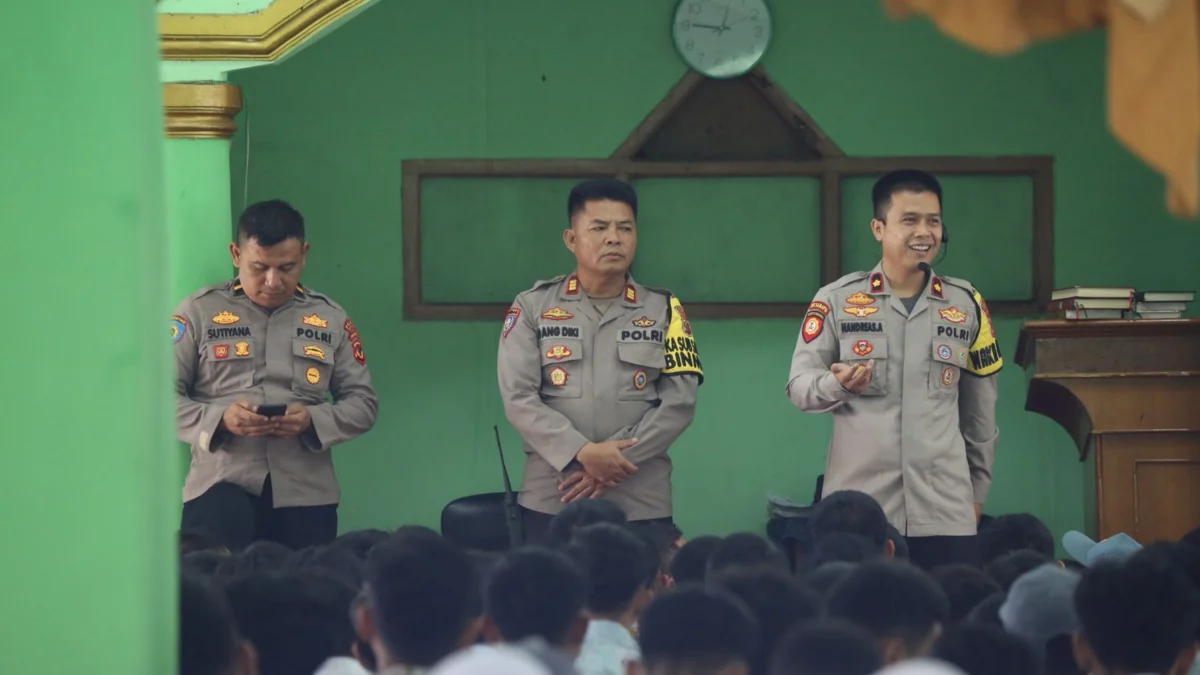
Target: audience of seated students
[603,596]
[622,572]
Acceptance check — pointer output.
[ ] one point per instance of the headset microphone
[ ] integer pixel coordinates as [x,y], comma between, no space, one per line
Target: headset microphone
[923,266]
[945,235]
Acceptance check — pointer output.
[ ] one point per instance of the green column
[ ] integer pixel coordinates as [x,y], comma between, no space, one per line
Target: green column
[199,125]
[89,560]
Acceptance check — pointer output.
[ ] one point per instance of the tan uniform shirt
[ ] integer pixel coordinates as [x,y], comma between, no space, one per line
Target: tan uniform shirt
[307,351]
[570,375]
[921,438]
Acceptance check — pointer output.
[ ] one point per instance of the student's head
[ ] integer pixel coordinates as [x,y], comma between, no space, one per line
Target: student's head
[202,563]
[908,218]
[421,590]
[296,621]
[603,226]
[209,643]
[827,647]
[777,600]
[360,542]
[261,556]
[697,631]
[1040,609]
[690,563]
[270,252]
[965,587]
[988,610]
[334,560]
[842,547]
[825,578]
[621,571]
[1014,532]
[664,541]
[851,512]
[899,604]
[1009,567]
[745,550]
[537,592]
[581,513]
[1139,615]
[985,650]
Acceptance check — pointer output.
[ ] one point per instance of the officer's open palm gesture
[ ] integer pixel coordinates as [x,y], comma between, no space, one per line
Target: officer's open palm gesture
[854,378]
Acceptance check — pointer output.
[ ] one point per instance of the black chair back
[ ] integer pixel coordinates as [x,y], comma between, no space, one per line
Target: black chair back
[477,522]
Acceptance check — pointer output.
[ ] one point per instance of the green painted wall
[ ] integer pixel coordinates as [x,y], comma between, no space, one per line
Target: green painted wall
[542,78]
[89,565]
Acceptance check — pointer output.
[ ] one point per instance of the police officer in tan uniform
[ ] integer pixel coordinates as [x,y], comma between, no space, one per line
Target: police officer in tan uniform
[598,373]
[265,340]
[905,362]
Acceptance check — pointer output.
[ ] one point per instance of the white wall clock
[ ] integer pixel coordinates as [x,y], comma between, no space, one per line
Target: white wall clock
[721,38]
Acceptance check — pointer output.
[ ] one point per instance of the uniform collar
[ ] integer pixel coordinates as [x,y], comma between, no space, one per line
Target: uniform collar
[631,297]
[235,285]
[877,284]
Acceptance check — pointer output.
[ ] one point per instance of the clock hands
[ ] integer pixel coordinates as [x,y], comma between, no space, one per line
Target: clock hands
[708,26]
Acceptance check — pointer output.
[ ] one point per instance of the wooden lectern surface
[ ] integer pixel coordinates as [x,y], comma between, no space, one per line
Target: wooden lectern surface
[1128,392]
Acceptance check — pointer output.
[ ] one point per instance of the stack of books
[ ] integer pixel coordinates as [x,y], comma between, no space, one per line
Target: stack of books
[1118,302]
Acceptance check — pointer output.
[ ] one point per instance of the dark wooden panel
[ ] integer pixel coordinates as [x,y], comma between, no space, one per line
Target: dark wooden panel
[1149,485]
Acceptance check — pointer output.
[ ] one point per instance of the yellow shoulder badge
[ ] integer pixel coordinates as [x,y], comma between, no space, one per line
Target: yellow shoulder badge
[680,345]
[984,357]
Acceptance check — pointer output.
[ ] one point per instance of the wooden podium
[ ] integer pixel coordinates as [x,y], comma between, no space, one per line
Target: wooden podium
[1128,392]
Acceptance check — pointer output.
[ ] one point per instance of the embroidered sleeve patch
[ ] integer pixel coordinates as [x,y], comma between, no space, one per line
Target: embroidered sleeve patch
[178,328]
[680,344]
[984,356]
[814,323]
[355,342]
[510,321]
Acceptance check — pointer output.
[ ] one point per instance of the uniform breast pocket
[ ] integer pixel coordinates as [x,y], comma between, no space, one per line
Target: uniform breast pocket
[562,367]
[227,367]
[312,367]
[949,358]
[641,362]
[857,351]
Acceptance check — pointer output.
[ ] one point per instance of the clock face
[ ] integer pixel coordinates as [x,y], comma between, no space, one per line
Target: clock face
[721,38]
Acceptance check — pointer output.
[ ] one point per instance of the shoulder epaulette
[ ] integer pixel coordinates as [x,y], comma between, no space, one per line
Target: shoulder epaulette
[208,289]
[545,282]
[846,280]
[664,291]
[322,297]
[959,283]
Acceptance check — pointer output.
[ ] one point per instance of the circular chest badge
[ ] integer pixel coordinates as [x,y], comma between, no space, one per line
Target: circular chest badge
[313,375]
[948,375]
[558,377]
[639,380]
[944,352]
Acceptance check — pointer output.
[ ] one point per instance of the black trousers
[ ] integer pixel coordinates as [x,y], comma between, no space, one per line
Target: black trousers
[932,552]
[239,518]
[537,525]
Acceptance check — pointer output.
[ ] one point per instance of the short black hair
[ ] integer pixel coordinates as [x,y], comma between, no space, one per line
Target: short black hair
[581,513]
[662,538]
[202,563]
[1138,614]
[601,189]
[746,549]
[904,180]
[778,602]
[260,556]
[690,563]
[1014,532]
[842,547]
[986,650]
[421,589]
[338,561]
[826,577]
[208,638]
[827,647]
[1009,567]
[891,599]
[965,587]
[270,223]
[899,542]
[295,620]
[535,592]
[618,564]
[988,610]
[849,512]
[698,630]
[360,542]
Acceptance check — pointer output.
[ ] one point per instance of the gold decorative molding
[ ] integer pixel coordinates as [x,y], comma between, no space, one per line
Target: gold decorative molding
[267,35]
[201,110]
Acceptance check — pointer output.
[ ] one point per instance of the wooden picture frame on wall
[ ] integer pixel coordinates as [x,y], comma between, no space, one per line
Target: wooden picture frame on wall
[656,149]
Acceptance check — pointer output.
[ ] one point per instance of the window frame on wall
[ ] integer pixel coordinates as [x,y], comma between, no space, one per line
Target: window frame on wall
[829,169]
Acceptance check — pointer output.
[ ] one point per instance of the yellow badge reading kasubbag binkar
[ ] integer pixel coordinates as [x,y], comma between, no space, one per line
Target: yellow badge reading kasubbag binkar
[984,357]
[680,345]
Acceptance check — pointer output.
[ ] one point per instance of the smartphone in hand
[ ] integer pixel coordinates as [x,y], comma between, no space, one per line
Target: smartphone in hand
[272,410]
